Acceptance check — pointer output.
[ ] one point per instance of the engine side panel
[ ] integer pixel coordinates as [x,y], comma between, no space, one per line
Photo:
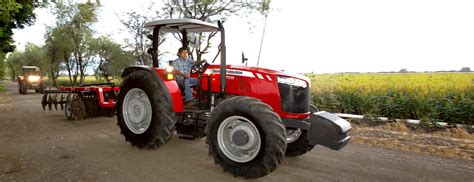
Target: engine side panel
[248,82]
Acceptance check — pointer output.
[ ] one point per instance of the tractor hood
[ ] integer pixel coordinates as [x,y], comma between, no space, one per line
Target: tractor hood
[263,71]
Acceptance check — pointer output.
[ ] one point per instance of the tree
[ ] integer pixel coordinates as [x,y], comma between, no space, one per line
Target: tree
[205,10]
[32,56]
[76,21]
[15,14]
[58,51]
[465,69]
[139,43]
[2,65]
[111,57]
[403,70]
[13,63]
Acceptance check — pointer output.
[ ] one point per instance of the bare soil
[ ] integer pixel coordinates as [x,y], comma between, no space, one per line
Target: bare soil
[453,142]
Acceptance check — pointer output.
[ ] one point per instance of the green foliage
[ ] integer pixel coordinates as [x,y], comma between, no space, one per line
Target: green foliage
[2,65]
[74,27]
[445,97]
[33,55]
[112,58]
[14,14]
[264,7]
[139,43]
[58,50]
[3,88]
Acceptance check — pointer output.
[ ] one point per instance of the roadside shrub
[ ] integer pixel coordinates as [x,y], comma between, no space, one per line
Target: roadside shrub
[2,88]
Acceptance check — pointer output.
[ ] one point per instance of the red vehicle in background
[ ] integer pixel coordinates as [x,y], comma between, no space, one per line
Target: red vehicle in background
[30,79]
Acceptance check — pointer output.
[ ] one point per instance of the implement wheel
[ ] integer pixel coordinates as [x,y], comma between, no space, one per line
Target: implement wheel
[78,108]
[68,113]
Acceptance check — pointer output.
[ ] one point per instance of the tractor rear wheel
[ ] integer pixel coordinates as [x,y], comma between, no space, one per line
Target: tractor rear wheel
[144,115]
[245,137]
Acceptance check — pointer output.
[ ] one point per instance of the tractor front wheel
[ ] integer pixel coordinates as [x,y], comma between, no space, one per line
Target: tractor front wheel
[23,88]
[297,139]
[144,115]
[40,89]
[297,142]
[245,137]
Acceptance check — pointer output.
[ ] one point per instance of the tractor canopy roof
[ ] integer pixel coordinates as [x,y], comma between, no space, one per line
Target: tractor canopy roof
[177,25]
[31,67]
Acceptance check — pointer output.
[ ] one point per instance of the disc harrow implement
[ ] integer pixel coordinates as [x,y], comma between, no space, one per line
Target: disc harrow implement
[84,101]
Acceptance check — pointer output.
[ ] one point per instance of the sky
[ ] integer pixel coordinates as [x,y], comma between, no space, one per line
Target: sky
[327,36]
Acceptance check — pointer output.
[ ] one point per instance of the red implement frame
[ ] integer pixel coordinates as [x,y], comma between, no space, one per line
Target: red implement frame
[98,90]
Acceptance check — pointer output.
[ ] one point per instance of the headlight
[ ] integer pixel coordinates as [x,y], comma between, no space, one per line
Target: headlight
[33,78]
[169,73]
[292,81]
[169,69]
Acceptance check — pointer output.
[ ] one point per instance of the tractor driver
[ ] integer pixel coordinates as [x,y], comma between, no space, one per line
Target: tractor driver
[182,68]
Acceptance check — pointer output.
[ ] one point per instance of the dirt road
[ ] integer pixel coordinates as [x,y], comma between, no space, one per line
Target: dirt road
[43,146]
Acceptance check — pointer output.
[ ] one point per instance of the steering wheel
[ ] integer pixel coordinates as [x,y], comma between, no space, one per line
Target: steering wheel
[199,68]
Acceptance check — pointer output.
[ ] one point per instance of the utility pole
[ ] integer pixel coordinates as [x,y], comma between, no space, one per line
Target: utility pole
[261,40]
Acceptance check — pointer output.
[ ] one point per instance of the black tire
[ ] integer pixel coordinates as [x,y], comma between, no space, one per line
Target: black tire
[41,88]
[299,147]
[67,112]
[19,87]
[270,128]
[163,118]
[23,89]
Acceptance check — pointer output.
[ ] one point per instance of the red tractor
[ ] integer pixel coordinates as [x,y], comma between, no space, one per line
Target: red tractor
[31,79]
[251,117]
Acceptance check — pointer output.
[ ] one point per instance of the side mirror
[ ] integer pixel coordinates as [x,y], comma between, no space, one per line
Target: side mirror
[149,36]
[244,59]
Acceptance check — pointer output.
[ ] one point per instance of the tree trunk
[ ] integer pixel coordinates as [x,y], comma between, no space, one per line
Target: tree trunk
[69,69]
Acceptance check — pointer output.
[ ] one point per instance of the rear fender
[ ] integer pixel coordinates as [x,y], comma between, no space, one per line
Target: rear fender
[172,93]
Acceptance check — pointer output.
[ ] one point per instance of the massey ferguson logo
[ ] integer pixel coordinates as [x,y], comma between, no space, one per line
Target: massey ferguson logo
[234,72]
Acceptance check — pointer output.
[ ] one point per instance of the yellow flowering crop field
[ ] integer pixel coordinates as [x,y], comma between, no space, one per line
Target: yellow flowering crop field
[440,97]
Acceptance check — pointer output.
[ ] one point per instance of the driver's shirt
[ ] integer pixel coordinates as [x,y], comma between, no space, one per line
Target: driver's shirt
[183,65]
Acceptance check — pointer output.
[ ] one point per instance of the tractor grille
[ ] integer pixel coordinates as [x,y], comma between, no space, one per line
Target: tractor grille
[294,99]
